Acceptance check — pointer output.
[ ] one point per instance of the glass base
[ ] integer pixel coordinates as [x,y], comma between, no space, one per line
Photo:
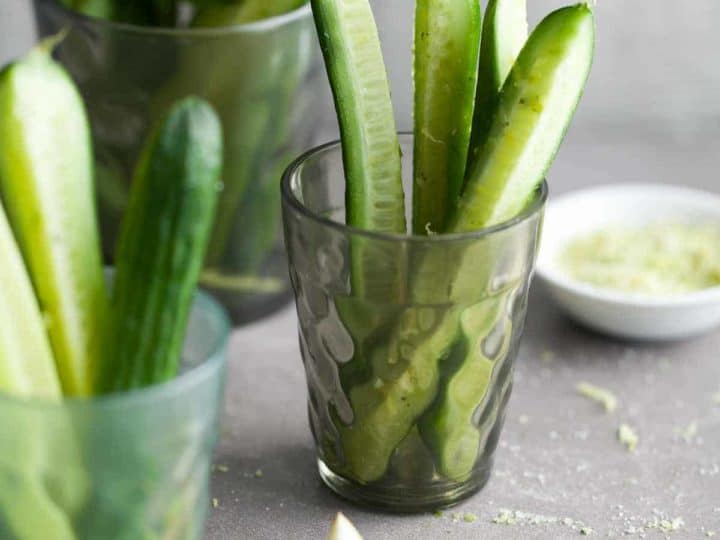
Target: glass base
[405,499]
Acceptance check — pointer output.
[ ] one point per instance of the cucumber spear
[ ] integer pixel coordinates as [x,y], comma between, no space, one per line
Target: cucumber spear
[504,33]
[46,184]
[27,368]
[548,79]
[161,248]
[447,41]
[535,108]
[371,152]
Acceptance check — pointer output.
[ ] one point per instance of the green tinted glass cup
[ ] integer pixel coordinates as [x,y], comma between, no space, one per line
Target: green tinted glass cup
[266,82]
[133,466]
[408,342]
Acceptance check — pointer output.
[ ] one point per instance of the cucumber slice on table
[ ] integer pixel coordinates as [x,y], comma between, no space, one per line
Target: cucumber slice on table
[504,33]
[534,111]
[447,41]
[371,152]
[46,184]
[161,248]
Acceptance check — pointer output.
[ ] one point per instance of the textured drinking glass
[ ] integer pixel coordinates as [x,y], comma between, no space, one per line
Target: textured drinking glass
[266,83]
[408,342]
[131,466]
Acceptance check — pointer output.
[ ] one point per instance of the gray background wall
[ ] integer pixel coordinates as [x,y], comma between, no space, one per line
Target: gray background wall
[657,70]
[656,61]
[16,29]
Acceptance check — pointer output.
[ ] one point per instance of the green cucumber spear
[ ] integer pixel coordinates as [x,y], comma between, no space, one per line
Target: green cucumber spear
[447,39]
[46,184]
[504,33]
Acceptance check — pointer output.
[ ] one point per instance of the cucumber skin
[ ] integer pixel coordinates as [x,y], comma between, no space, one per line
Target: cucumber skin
[503,178]
[354,135]
[49,194]
[492,73]
[447,43]
[161,248]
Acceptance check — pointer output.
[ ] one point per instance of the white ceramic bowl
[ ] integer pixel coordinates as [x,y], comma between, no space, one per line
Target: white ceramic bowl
[617,313]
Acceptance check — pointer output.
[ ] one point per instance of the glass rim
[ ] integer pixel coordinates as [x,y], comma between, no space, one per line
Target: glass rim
[254,27]
[150,394]
[289,198]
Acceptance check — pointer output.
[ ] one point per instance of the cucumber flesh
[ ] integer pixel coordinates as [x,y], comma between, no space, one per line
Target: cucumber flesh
[371,152]
[27,368]
[447,41]
[387,407]
[447,426]
[46,184]
[535,108]
[161,248]
[504,33]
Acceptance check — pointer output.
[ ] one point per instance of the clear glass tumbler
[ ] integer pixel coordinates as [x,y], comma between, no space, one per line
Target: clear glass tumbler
[266,82]
[408,342]
[132,466]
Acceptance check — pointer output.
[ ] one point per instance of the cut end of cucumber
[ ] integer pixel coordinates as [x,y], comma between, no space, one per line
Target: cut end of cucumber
[343,529]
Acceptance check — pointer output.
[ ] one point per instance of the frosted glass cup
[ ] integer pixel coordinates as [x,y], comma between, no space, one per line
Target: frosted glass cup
[131,466]
[266,82]
[408,342]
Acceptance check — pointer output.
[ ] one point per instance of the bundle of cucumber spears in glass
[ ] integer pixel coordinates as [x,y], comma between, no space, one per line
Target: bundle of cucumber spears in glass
[492,106]
[260,82]
[62,334]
